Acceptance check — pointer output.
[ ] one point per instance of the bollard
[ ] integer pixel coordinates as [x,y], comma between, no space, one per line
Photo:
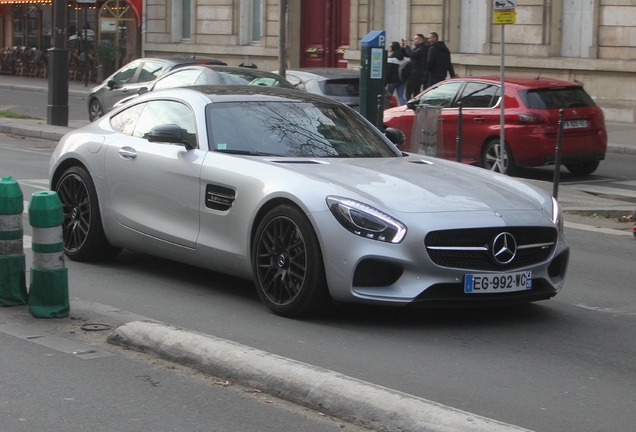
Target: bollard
[13,290]
[48,291]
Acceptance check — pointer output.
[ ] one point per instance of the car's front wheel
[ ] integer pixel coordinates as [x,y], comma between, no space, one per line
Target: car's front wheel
[585,168]
[497,157]
[288,268]
[95,110]
[82,231]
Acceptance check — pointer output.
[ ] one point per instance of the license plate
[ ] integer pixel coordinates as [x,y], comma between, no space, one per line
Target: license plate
[497,282]
[574,124]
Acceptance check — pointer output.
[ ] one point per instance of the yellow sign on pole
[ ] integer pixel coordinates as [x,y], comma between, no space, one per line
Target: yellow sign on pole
[504,16]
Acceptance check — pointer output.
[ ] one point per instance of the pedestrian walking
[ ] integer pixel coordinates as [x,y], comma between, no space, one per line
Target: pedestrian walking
[438,60]
[418,55]
[393,80]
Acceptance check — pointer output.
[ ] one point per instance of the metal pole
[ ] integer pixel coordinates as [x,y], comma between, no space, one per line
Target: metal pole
[85,45]
[502,133]
[282,37]
[557,157]
[57,108]
[459,132]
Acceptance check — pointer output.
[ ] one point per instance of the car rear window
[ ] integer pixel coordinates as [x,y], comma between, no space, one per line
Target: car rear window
[342,87]
[557,98]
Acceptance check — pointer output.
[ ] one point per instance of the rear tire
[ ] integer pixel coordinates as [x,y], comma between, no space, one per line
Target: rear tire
[289,272]
[82,230]
[498,158]
[585,168]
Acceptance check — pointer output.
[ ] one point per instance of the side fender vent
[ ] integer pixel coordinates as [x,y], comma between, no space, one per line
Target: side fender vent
[219,197]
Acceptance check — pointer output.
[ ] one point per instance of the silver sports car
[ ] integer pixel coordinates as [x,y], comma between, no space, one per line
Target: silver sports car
[302,195]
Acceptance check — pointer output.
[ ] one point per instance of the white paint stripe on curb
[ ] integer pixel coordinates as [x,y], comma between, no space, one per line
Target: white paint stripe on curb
[347,398]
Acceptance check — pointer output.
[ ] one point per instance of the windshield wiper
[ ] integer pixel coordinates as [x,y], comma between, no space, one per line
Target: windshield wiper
[246,152]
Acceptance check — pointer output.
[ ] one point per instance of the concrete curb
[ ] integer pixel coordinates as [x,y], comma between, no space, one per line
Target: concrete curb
[349,399]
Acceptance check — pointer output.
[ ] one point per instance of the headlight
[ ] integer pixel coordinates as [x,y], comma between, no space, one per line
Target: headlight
[366,221]
[557,215]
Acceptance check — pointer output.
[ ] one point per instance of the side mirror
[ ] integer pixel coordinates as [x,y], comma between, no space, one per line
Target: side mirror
[142,90]
[412,104]
[396,136]
[111,83]
[169,133]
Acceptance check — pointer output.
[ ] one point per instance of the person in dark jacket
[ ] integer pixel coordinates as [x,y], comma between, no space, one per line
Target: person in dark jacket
[393,81]
[418,55]
[438,60]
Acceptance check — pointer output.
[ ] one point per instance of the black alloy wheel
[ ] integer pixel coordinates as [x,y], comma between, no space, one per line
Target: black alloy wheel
[288,267]
[82,231]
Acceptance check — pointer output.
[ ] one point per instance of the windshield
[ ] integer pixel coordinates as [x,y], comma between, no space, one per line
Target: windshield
[293,129]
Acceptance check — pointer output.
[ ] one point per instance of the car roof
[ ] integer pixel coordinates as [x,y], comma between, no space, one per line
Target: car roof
[523,81]
[246,93]
[182,60]
[329,73]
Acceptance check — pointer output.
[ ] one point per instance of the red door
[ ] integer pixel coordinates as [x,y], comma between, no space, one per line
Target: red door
[324,33]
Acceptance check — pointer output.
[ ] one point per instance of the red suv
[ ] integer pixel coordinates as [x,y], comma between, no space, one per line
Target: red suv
[531,123]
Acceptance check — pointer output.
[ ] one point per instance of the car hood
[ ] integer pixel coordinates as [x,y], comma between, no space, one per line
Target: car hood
[419,184]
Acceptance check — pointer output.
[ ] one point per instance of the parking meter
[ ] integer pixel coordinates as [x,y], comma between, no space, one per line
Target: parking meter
[372,60]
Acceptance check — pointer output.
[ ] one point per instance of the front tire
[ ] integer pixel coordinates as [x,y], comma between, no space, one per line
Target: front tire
[289,272]
[583,169]
[497,157]
[95,110]
[82,230]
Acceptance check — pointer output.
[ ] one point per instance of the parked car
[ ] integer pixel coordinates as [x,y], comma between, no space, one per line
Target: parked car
[531,122]
[127,80]
[212,75]
[336,83]
[304,196]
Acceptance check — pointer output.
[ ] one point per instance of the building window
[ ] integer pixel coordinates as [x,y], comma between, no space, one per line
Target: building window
[186,22]
[251,21]
[182,20]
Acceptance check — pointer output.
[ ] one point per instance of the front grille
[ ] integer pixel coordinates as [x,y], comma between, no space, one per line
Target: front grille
[471,248]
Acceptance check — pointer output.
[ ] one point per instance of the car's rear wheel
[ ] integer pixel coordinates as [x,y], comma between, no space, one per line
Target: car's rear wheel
[82,231]
[288,268]
[497,157]
[95,110]
[585,168]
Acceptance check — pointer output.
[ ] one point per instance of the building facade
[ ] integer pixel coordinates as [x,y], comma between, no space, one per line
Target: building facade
[590,41]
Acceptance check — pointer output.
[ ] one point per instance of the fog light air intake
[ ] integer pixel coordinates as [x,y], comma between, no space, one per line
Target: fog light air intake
[13,290]
[48,290]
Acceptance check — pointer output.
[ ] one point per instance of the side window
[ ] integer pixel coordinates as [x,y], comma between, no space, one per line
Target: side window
[180,78]
[150,71]
[127,74]
[157,113]
[125,121]
[479,95]
[442,95]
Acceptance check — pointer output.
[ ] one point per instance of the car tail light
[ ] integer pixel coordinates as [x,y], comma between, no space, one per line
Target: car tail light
[533,119]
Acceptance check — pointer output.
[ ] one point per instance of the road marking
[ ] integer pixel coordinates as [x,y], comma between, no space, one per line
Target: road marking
[601,190]
[593,228]
[606,310]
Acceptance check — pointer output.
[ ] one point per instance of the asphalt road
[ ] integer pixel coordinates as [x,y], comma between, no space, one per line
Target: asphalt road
[568,364]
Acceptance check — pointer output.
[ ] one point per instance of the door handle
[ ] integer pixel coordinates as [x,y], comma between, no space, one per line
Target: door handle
[311,50]
[478,119]
[127,153]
